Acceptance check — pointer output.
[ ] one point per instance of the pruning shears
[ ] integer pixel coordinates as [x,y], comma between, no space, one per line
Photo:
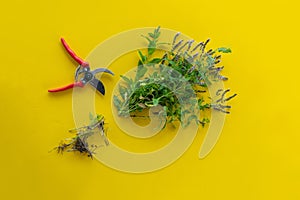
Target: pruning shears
[83,73]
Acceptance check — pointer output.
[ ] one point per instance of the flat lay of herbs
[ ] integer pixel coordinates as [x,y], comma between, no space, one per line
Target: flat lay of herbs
[186,62]
[176,80]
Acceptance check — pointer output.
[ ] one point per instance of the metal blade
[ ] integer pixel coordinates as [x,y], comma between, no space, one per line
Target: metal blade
[98,70]
[98,85]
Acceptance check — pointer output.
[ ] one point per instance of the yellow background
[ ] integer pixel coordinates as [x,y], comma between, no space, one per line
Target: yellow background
[257,156]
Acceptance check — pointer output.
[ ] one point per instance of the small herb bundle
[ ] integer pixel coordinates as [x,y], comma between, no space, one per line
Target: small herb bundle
[182,74]
[79,143]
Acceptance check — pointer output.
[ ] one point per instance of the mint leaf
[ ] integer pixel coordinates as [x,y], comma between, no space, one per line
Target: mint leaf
[224,50]
[143,57]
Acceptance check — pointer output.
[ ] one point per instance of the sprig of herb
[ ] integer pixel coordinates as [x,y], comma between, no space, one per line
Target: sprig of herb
[193,63]
[79,142]
[152,39]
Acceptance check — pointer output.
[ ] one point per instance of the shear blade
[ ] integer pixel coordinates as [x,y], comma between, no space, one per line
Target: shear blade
[98,85]
[98,70]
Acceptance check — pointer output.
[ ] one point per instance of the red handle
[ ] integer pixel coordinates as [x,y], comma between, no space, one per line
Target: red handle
[73,55]
[77,84]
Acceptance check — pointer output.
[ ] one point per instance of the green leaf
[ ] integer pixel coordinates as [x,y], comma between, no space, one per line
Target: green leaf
[172,63]
[151,47]
[204,121]
[155,102]
[155,60]
[147,38]
[151,51]
[126,79]
[122,91]
[157,35]
[151,35]
[152,44]
[210,60]
[157,30]
[201,104]
[117,102]
[142,57]
[140,72]
[172,99]
[191,118]
[140,63]
[224,50]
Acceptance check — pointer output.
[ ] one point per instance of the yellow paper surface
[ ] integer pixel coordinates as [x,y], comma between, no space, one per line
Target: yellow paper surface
[257,155]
